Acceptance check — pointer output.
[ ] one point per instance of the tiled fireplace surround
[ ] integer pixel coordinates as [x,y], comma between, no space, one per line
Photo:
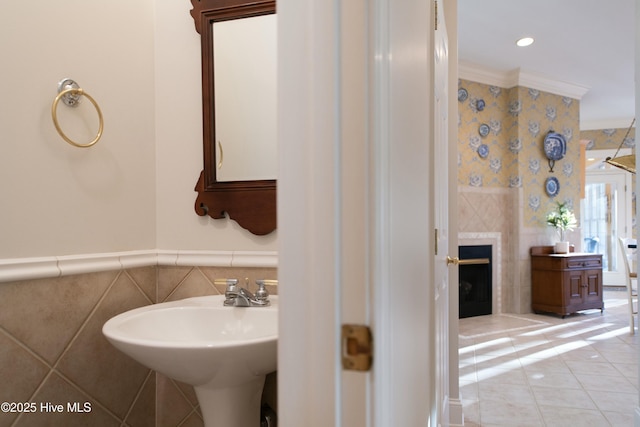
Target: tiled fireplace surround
[52,348]
[490,216]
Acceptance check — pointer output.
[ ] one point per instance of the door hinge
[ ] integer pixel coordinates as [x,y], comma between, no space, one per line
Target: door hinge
[436,15]
[357,348]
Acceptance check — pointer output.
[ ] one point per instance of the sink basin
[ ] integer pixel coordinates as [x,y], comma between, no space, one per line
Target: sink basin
[224,352]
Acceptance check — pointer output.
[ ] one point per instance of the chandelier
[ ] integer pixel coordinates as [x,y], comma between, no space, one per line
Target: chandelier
[627,162]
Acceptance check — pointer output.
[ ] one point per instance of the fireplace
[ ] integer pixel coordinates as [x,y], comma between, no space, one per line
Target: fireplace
[475,280]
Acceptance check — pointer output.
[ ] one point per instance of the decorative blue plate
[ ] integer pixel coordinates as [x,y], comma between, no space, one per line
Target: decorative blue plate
[462,94]
[552,186]
[483,150]
[480,104]
[555,146]
[484,129]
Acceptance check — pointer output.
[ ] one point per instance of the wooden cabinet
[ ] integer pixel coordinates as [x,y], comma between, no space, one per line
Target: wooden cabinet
[565,283]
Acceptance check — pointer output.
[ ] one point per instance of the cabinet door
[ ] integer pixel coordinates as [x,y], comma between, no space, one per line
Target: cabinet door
[574,282]
[593,285]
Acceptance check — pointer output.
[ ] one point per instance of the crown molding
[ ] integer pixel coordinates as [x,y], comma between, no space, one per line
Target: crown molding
[518,77]
[50,267]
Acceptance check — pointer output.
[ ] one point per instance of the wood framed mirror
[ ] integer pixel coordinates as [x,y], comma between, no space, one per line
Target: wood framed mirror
[250,202]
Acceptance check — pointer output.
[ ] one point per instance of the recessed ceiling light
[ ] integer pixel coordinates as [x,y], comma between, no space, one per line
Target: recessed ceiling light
[525,41]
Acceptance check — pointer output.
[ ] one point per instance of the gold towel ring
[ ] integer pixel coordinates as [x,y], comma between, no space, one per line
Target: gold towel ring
[79,92]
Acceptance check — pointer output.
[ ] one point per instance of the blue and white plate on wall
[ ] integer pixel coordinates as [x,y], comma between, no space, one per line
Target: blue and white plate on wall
[462,94]
[483,150]
[555,146]
[484,129]
[552,186]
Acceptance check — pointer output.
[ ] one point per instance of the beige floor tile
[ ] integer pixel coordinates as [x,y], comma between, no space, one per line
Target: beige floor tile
[615,345]
[501,376]
[593,368]
[616,383]
[469,391]
[545,365]
[619,419]
[556,416]
[563,397]
[622,355]
[507,392]
[531,345]
[509,413]
[509,362]
[553,380]
[471,411]
[584,354]
[628,370]
[613,401]
[541,370]
[468,373]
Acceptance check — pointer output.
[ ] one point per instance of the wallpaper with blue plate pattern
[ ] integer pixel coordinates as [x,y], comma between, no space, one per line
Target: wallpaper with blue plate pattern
[608,139]
[519,119]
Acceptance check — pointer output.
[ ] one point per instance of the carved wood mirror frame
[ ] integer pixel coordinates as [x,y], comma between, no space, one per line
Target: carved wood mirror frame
[252,204]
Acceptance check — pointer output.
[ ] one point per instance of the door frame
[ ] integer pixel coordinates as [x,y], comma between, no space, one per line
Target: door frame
[312,211]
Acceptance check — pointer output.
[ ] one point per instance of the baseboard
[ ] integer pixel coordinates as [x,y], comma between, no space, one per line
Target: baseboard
[456,414]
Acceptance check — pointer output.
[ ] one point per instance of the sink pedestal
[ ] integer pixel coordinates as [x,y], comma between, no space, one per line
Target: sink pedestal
[231,406]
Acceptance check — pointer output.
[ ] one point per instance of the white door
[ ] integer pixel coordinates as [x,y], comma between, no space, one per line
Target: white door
[441,218]
[356,213]
[606,215]
[403,237]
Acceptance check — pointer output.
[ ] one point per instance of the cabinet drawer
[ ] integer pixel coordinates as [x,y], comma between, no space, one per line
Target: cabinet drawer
[566,262]
[575,263]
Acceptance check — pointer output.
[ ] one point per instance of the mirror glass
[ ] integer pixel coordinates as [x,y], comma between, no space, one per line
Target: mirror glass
[244,59]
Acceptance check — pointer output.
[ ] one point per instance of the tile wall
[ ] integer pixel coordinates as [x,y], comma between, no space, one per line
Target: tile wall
[52,349]
[490,210]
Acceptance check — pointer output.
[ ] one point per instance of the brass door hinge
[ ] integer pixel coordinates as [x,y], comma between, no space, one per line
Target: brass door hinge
[357,348]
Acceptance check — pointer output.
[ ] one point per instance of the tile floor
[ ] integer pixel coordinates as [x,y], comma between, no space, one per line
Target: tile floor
[542,370]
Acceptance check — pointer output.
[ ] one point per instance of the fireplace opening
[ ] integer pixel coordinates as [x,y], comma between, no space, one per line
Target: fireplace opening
[475,284]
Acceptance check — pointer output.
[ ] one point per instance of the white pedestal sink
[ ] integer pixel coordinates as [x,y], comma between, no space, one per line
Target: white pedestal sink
[224,352]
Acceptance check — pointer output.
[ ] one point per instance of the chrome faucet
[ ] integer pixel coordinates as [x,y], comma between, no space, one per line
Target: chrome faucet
[236,296]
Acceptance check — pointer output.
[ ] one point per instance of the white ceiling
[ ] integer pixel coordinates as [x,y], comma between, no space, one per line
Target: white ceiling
[587,44]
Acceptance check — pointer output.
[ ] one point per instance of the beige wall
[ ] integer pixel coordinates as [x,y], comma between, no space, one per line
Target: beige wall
[57,199]
[133,189]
